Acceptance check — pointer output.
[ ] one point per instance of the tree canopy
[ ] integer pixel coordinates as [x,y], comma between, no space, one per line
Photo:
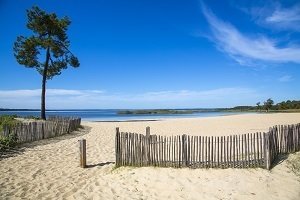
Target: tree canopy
[49,33]
[268,104]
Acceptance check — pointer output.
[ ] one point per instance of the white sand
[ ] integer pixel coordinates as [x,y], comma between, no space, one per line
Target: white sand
[49,169]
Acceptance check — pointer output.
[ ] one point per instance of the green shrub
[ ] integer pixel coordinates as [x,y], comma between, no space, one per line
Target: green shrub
[10,140]
[7,120]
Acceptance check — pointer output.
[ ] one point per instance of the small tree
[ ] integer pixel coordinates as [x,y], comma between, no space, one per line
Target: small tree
[268,104]
[258,106]
[49,41]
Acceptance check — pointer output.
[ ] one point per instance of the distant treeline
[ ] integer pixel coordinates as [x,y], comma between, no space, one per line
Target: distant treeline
[160,111]
[285,105]
[17,109]
[268,105]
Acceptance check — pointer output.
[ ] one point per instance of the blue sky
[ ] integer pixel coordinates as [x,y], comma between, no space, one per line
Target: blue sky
[160,54]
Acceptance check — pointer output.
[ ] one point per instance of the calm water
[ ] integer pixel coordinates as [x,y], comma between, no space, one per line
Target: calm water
[111,115]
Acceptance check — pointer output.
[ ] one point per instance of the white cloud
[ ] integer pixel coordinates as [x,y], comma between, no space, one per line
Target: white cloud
[67,99]
[285,18]
[50,92]
[248,50]
[271,14]
[285,78]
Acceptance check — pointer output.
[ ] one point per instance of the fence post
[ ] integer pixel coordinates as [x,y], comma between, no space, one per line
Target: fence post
[82,152]
[267,157]
[117,140]
[147,145]
[184,151]
[147,131]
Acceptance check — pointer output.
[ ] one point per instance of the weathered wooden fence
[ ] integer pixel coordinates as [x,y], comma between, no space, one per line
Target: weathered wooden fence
[282,140]
[31,131]
[234,151]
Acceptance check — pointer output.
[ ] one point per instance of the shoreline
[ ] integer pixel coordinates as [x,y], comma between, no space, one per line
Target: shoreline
[174,118]
[164,118]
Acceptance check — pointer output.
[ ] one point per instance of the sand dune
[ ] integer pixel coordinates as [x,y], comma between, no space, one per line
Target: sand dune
[49,169]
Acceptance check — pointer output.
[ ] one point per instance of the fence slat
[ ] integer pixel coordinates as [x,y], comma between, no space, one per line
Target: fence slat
[233,150]
[202,151]
[173,151]
[208,153]
[197,160]
[180,151]
[227,151]
[218,152]
[212,153]
[221,157]
[156,150]
[117,143]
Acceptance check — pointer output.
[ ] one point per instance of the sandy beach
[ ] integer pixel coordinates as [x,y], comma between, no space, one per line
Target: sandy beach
[49,169]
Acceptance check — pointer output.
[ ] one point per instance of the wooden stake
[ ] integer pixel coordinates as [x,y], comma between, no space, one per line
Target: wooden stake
[147,145]
[117,143]
[82,150]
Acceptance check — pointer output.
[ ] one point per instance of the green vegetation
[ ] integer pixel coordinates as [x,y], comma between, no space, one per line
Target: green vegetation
[49,41]
[258,106]
[286,105]
[155,111]
[164,111]
[268,106]
[10,140]
[7,120]
[10,109]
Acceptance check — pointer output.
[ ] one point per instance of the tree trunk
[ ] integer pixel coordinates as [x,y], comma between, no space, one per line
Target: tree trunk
[43,98]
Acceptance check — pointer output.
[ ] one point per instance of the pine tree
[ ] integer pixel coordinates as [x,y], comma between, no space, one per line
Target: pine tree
[48,43]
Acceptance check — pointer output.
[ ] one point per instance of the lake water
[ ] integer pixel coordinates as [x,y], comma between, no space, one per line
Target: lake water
[112,115]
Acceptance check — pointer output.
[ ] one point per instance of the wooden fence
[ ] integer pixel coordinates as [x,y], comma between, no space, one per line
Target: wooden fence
[31,131]
[282,140]
[234,151]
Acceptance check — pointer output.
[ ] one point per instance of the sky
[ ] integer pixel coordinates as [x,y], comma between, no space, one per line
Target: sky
[160,54]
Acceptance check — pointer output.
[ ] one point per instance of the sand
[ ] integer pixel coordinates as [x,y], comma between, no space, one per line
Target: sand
[49,169]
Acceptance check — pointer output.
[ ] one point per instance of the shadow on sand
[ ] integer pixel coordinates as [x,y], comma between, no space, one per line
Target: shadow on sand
[99,164]
[280,158]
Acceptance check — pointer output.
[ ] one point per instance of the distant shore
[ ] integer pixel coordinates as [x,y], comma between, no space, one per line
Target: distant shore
[200,110]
